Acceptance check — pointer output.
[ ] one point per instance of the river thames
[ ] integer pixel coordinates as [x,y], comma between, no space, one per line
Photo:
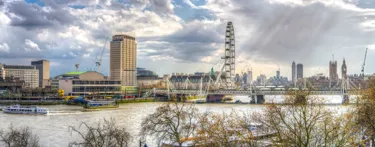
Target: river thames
[53,129]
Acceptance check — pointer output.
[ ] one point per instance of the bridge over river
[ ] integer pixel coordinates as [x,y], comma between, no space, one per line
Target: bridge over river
[254,94]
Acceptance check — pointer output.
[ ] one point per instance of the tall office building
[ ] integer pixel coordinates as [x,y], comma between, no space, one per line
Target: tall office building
[333,70]
[262,80]
[250,76]
[278,73]
[293,72]
[27,73]
[343,70]
[44,72]
[299,71]
[123,58]
[244,78]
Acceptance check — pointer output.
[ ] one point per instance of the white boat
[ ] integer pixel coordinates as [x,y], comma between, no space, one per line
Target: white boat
[17,109]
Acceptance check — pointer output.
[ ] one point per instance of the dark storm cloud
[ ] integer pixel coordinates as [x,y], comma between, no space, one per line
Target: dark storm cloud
[159,6]
[1,2]
[183,52]
[190,44]
[33,16]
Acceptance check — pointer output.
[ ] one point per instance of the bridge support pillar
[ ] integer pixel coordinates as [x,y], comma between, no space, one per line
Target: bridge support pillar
[252,99]
[345,99]
[257,99]
[180,97]
[260,99]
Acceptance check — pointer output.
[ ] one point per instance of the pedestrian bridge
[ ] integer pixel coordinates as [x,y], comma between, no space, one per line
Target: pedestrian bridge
[253,92]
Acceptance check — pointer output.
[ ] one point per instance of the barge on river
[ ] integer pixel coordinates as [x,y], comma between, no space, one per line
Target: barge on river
[100,104]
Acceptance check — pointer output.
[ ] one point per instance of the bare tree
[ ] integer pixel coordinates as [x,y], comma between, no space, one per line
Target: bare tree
[106,134]
[172,122]
[304,123]
[224,130]
[22,137]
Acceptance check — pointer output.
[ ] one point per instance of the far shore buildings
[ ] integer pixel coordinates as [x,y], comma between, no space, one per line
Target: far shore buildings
[44,72]
[86,83]
[299,71]
[11,84]
[344,70]
[27,73]
[123,58]
[333,76]
[189,81]
[294,72]
[147,78]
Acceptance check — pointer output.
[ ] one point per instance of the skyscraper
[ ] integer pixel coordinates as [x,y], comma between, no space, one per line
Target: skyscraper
[123,58]
[333,70]
[249,76]
[278,73]
[343,70]
[299,71]
[44,71]
[244,78]
[293,72]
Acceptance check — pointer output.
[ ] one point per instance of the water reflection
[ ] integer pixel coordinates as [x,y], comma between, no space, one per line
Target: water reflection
[53,128]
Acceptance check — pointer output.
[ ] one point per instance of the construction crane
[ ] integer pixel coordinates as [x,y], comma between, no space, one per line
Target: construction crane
[98,60]
[363,65]
[77,66]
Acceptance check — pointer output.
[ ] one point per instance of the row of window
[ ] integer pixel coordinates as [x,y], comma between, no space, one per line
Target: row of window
[95,89]
[22,110]
[96,82]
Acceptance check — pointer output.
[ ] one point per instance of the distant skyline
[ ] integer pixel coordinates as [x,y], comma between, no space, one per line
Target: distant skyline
[187,36]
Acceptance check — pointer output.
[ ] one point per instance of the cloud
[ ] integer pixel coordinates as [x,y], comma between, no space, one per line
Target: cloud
[31,46]
[52,63]
[72,54]
[33,16]
[162,6]
[371,47]
[278,32]
[4,47]
[188,2]
[268,32]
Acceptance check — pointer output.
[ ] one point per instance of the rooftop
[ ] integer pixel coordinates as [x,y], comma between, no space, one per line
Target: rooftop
[19,66]
[74,73]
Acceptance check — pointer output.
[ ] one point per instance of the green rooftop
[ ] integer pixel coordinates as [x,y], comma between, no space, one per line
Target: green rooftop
[74,73]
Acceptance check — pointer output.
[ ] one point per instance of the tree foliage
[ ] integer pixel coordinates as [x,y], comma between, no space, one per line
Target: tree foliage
[365,110]
[224,130]
[302,122]
[105,134]
[22,137]
[172,122]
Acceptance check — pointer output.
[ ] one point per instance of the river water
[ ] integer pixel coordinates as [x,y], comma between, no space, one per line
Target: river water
[53,129]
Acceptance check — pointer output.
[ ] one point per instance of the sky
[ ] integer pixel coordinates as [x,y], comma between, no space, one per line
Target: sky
[187,36]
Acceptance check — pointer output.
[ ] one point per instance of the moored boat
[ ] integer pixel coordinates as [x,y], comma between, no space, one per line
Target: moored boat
[17,109]
[101,104]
